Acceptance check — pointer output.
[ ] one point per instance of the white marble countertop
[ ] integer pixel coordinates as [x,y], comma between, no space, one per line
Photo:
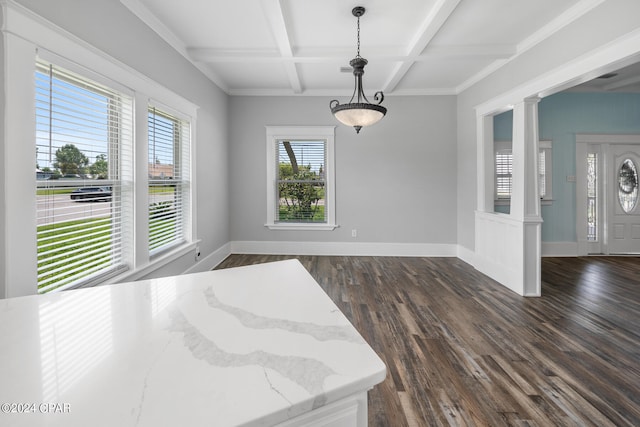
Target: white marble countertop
[246,346]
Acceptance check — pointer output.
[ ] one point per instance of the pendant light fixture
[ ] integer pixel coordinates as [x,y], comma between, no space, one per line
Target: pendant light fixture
[359,112]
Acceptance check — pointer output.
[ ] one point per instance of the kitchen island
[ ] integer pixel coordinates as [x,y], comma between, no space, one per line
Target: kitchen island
[259,345]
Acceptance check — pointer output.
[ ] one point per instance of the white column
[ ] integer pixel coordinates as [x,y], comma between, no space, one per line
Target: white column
[485,164]
[525,199]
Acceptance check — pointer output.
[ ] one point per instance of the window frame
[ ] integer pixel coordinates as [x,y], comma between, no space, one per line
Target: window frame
[275,134]
[69,89]
[182,152]
[545,146]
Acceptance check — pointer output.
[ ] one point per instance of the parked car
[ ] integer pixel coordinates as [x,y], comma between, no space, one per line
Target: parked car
[91,194]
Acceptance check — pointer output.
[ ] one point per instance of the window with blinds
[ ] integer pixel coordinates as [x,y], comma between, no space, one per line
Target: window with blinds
[504,171]
[83,169]
[168,141]
[301,181]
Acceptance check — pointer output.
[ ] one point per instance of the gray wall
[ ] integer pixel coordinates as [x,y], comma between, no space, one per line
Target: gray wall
[109,26]
[395,181]
[609,21]
[2,184]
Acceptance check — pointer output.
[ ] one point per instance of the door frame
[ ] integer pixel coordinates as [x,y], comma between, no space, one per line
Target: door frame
[598,143]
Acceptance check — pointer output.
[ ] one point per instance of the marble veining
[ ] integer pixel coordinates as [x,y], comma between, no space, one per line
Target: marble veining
[308,373]
[251,320]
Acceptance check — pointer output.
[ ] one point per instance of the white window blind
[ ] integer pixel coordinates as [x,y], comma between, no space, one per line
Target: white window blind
[301,181]
[169,142]
[83,167]
[504,171]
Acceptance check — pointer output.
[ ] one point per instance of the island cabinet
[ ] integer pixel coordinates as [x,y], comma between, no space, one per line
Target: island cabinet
[259,345]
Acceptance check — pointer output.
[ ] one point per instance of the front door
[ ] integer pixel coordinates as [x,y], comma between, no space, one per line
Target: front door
[623,199]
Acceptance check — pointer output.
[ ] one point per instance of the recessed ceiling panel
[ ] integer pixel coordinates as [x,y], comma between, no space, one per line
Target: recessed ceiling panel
[329,23]
[215,23]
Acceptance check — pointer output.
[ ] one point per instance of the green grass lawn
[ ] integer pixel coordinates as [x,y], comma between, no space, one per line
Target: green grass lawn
[73,249]
[69,251]
[52,191]
[161,230]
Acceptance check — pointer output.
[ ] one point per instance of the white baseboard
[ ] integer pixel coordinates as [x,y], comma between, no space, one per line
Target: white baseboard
[549,249]
[345,249]
[467,255]
[211,261]
[559,249]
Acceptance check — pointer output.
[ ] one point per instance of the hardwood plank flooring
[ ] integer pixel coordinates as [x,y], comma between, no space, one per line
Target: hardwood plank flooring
[462,350]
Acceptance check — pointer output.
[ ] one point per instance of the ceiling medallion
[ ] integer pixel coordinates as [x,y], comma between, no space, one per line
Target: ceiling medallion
[359,112]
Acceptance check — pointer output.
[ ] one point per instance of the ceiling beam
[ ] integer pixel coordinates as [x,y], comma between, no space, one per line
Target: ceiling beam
[213,55]
[277,21]
[325,54]
[429,28]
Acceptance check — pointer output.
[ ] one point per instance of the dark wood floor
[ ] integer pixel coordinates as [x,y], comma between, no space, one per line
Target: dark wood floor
[463,350]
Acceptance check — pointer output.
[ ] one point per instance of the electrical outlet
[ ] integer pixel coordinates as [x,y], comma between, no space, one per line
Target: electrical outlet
[354,233]
[197,253]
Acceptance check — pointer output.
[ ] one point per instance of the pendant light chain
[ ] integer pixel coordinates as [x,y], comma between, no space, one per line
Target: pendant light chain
[358,55]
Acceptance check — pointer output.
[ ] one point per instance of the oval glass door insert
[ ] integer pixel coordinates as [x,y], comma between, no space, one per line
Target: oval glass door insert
[628,185]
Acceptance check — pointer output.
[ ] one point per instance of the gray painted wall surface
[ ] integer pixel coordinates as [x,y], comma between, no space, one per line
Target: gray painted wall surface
[2,159]
[609,21]
[117,32]
[395,181]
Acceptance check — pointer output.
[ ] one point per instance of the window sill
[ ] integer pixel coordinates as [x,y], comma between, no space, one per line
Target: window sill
[301,227]
[159,261]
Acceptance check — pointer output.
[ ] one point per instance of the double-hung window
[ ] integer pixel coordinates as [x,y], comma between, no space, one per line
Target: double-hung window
[300,178]
[83,176]
[168,146]
[504,171]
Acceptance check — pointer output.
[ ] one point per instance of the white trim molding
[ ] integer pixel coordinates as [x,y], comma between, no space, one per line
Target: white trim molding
[276,134]
[211,261]
[345,249]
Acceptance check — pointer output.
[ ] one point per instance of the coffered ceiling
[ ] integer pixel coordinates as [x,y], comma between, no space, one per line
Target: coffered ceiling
[302,47]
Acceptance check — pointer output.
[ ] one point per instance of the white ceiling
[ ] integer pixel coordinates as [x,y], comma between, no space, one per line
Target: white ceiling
[297,47]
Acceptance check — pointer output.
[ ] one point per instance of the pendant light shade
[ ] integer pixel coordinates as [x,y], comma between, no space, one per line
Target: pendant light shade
[359,112]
